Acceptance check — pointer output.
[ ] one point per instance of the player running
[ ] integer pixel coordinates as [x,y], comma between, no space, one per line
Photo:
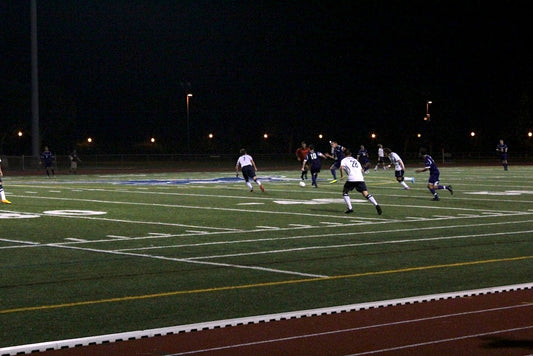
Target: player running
[313,159]
[2,193]
[434,173]
[337,154]
[399,168]
[356,181]
[248,168]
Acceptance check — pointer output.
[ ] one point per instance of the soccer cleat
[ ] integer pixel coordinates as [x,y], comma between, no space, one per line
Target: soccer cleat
[333,181]
[262,189]
[348,211]
[5,201]
[413,179]
[378,208]
[436,198]
[449,188]
[405,188]
[251,190]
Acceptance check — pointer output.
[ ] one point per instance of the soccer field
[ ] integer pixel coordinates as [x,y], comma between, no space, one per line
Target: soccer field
[96,254]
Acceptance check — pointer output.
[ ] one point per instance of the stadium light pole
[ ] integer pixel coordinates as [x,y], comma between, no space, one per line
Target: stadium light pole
[36,140]
[427,110]
[189,95]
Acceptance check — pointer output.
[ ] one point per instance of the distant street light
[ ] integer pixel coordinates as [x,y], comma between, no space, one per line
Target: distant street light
[427,111]
[188,127]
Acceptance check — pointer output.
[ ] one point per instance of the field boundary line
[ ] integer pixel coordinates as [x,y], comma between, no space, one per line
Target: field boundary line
[134,335]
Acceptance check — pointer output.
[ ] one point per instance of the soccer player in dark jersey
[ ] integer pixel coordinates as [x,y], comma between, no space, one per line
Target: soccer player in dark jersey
[313,159]
[337,154]
[502,149]
[434,173]
[363,158]
[47,160]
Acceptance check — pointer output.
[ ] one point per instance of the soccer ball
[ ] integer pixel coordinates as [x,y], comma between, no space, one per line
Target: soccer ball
[302,184]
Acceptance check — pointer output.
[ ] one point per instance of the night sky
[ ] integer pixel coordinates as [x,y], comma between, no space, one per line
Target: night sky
[119,71]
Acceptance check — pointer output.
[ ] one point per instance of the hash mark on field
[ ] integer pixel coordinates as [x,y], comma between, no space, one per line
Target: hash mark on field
[118,237]
[77,240]
[300,225]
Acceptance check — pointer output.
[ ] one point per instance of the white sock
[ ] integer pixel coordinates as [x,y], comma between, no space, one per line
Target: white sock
[404,184]
[249,185]
[348,201]
[2,194]
[258,181]
[372,199]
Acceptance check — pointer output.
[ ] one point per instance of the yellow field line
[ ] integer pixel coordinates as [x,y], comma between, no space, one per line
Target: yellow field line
[258,285]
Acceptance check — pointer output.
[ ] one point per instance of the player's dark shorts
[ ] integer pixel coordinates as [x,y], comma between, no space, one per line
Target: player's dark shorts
[381,159]
[358,186]
[434,178]
[503,156]
[399,175]
[336,164]
[315,169]
[248,172]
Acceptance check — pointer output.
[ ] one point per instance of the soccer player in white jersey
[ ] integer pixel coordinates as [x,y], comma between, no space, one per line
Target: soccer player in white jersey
[356,180]
[247,165]
[399,167]
[2,193]
[381,158]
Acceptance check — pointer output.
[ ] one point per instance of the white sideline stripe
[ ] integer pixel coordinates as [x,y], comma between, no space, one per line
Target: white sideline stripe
[134,335]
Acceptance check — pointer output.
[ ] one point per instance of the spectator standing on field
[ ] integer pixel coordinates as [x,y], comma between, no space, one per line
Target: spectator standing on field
[74,160]
[399,168]
[247,165]
[47,160]
[2,193]
[434,173]
[502,149]
[301,153]
[355,173]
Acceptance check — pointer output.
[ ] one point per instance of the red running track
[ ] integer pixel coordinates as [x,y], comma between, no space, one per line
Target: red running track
[489,324]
